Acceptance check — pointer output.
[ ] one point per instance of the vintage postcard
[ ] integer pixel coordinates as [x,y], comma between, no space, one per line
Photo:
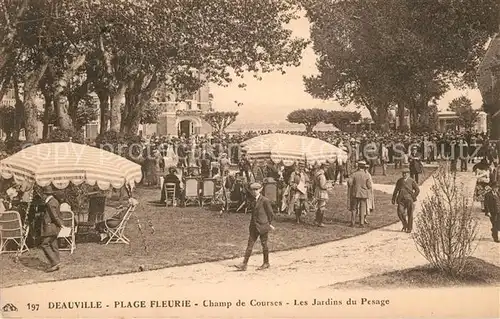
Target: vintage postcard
[249,159]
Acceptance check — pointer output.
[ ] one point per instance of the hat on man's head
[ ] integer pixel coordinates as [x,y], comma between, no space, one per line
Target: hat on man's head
[405,170]
[48,190]
[255,186]
[361,164]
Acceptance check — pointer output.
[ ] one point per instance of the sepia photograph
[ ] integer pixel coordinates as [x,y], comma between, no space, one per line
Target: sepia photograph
[249,158]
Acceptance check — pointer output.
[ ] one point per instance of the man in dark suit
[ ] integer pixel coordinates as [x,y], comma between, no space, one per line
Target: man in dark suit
[51,225]
[415,164]
[405,194]
[492,205]
[260,225]
[171,178]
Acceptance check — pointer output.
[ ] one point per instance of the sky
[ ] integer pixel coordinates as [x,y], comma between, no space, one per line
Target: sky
[276,95]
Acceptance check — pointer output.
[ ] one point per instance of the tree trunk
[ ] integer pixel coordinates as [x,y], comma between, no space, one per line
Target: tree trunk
[382,119]
[61,107]
[135,101]
[401,115]
[495,123]
[47,113]
[19,111]
[7,41]
[30,107]
[115,116]
[104,110]
[61,102]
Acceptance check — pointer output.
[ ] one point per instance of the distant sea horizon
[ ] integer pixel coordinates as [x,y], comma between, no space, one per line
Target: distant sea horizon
[240,126]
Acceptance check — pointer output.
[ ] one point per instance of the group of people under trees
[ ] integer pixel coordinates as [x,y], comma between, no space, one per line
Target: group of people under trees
[389,147]
[212,157]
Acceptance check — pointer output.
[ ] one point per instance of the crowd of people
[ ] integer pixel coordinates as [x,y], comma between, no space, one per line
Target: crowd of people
[223,159]
[302,188]
[377,149]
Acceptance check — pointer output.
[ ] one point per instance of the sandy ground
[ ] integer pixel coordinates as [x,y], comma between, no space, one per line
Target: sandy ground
[382,250]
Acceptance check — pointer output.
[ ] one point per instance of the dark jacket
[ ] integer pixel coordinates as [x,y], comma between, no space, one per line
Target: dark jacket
[51,222]
[405,190]
[262,214]
[172,178]
[415,164]
[492,205]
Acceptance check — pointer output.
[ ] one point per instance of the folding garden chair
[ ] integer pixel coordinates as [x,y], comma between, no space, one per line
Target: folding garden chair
[170,190]
[68,219]
[12,231]
[191,191]
[117,234]
[207,191]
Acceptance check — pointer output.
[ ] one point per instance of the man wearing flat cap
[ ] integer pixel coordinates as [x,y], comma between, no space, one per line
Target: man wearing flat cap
[405,194]
[359,187]
[260,225]
[51,225]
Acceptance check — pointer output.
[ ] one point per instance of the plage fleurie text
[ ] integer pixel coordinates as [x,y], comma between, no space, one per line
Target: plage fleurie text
[208,303]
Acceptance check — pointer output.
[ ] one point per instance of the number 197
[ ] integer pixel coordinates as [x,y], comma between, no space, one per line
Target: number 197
[33,306]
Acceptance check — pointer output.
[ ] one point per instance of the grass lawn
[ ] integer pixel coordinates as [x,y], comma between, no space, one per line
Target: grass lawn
[192,235]
[478,273]
[392,175]
[188,235]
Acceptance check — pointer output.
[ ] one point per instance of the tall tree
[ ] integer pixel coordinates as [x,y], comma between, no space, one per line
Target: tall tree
[341,119]
[467,116]
[309,117]
[11,14]
[182,45]
[123,50]
[219,121]
[428,120]
[389,52]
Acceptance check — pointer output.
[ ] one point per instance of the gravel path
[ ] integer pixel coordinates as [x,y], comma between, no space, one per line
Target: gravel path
[382,250]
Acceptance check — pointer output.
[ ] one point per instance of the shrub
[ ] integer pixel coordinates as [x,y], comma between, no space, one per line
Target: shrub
[446,229]
[12,146]
[60,135]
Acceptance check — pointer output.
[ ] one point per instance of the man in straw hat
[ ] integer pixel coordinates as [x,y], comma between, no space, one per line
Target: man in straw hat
[359,186]
[405,194]
[260,225]
[51,225]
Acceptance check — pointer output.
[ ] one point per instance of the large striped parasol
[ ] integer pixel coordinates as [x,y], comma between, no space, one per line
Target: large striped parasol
[62,163]
[292,148]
